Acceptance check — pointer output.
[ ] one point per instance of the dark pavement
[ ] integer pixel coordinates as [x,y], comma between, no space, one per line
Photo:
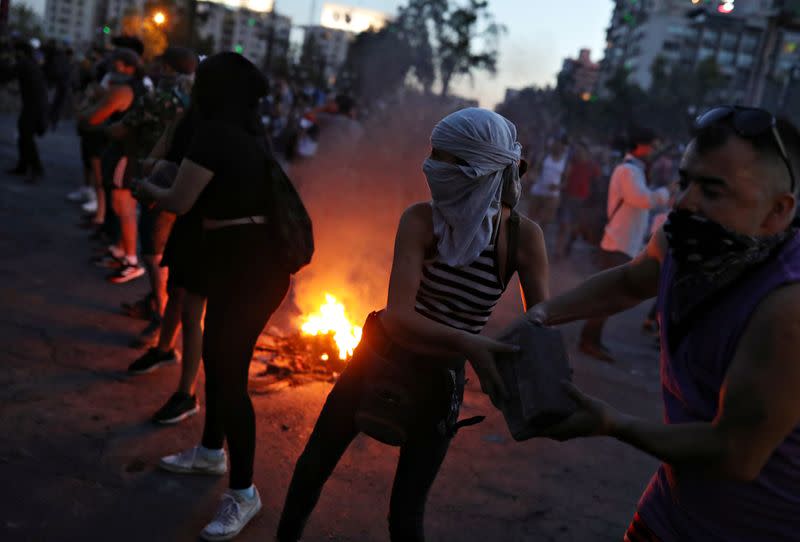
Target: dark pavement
[78,456]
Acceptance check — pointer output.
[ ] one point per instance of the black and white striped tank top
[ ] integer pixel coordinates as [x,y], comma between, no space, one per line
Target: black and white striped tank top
[462,297]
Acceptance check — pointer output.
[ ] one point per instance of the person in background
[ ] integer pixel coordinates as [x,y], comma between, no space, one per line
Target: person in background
[92,142]
[629,204]
[582,172]
[186,287]
[107,105]
[140,130]
[545,192]
[726,272]
[59,70]
[127,87]
[32,119]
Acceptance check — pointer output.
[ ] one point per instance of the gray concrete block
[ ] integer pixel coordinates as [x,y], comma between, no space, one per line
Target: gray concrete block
[533,379]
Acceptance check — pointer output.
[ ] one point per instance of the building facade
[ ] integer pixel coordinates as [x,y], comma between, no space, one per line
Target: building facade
[117,9]
[687,32]
[73,21]
[251,33]
[579,76]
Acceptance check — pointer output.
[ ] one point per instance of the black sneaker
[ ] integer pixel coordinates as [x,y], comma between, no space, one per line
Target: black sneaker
[179,407]
[127,272]
[152,360]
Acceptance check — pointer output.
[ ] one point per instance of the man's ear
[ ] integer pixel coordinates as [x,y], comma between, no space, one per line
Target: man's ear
[783,211]
[523,167]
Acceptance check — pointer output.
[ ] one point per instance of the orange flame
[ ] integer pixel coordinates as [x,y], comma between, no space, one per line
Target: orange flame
[332,318]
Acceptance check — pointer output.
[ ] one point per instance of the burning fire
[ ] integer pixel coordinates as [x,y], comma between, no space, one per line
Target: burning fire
[332,319]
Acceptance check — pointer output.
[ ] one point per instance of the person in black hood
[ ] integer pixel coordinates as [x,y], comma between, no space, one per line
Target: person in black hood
[225,177]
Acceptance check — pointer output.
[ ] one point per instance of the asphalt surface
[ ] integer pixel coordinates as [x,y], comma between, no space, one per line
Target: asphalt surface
[78,455]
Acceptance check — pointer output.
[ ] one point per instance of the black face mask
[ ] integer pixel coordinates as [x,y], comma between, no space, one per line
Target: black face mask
[710,257]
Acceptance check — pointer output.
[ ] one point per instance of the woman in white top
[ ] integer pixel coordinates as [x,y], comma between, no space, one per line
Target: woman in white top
[546,189]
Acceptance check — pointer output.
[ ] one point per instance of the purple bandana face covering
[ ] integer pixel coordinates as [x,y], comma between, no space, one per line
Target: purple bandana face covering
[709,258]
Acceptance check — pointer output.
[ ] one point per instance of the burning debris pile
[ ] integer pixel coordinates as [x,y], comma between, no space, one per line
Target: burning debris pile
[318,351]
[355,191]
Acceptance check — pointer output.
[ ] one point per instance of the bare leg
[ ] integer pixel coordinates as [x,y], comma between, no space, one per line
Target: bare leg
[172,319]
[158,280]
[100,192]
[125,207]
[192,318]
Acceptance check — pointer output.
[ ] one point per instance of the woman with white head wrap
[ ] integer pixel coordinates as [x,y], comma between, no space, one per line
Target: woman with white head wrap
[466,198]
[454,256]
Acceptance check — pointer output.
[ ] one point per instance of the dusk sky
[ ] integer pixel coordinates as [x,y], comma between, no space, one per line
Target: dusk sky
[541,33]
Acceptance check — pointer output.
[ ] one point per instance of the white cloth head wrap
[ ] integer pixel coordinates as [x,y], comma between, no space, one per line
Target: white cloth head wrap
[466,199]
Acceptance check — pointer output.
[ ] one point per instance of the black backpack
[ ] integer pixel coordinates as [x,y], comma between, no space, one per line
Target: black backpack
[290,220]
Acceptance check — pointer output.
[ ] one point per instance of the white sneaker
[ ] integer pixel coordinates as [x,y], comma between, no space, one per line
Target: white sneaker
[90,206]
[192,461]
[233,515]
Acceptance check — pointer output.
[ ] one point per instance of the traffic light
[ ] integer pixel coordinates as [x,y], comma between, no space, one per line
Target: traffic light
[726,7]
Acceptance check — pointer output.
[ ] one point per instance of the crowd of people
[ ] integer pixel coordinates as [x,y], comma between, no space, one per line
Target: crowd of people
[181,159]
[613,197]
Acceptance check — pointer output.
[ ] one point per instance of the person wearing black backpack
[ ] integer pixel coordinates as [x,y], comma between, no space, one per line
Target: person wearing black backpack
[230,176]
[454,257]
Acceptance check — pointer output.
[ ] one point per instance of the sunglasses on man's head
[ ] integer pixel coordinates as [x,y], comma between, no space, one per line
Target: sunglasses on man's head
[748,123]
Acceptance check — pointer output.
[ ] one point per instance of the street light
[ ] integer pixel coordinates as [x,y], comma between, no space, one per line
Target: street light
[159,18]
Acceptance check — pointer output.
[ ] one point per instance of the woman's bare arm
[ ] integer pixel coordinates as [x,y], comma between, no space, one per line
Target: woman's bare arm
[532,265]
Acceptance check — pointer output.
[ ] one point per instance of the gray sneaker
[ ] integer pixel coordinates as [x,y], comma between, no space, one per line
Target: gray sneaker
[233,515]
[192,461]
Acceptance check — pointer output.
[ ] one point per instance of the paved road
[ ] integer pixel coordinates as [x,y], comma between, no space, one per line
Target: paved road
[77,455]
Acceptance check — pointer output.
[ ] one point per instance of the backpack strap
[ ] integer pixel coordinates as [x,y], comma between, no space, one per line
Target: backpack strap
[513,246]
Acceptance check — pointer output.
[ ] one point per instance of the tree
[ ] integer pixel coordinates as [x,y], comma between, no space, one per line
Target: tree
[378,62]
[678,91]
[430,40]
[23,21]
[313,62]
[417,24]
[462,28]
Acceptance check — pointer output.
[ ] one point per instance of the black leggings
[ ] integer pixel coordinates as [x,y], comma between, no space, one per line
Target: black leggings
[420,460]
[244,289]
[28,160]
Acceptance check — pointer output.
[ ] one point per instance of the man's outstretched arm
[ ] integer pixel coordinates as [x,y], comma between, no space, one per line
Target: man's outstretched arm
[758,407]
[609,292]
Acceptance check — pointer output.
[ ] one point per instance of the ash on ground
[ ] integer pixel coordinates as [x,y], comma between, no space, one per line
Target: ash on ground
[281,361]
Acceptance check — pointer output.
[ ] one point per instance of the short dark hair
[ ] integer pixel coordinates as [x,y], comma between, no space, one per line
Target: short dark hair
[717,134]
[640,135]
[127,57]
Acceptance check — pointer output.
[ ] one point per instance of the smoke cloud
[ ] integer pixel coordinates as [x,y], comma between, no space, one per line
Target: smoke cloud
[355,192]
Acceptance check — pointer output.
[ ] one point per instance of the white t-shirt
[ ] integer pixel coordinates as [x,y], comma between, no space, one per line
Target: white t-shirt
[628,189]
[549,181]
